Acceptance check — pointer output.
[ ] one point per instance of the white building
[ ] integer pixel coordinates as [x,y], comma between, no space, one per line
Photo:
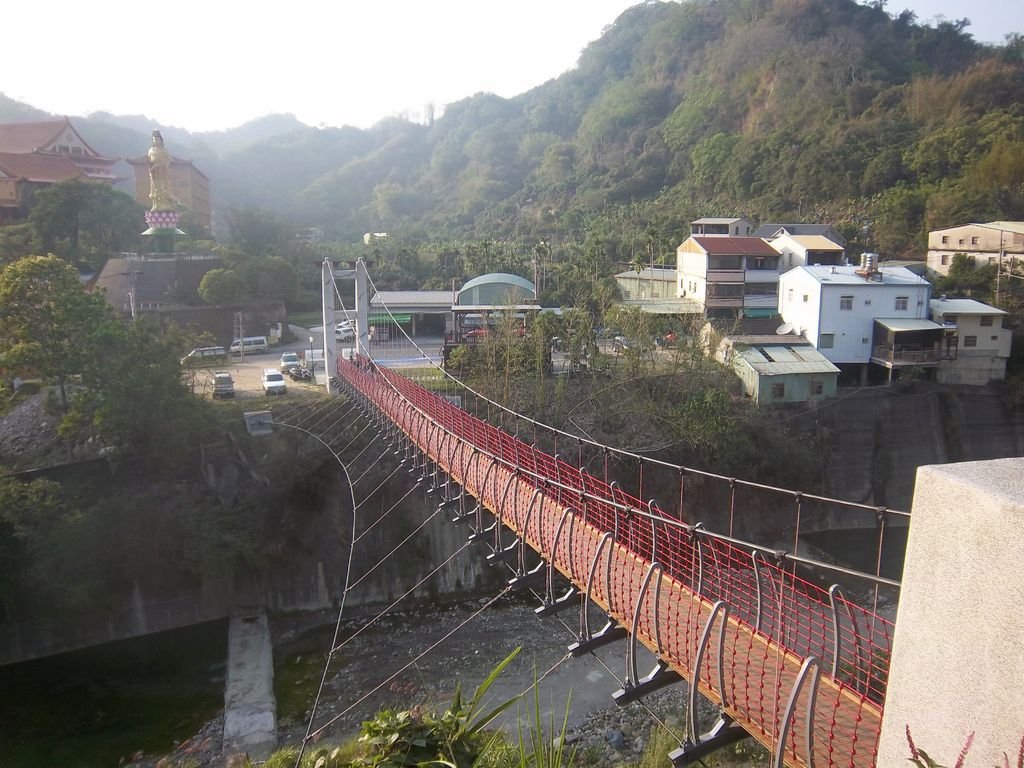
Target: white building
[798,250]
[979,342]
[836,307]
[1000,243]
[729,276]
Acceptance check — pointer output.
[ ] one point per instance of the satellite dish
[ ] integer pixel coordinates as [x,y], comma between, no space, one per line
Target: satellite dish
[783,329]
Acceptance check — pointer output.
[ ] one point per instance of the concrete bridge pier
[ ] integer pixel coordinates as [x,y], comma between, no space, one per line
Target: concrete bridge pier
[958,658]
[250,710]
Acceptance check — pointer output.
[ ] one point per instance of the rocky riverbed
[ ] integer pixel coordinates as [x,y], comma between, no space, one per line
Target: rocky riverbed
[382,668]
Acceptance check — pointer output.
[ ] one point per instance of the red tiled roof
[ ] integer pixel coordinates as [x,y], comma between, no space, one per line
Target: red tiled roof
[28,137]
[22,138]
[735,246]
[33,167]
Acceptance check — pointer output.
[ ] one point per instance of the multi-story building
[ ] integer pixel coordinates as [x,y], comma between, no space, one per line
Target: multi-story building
[977,341]
[189,186]
[729,276]
[34,155]
[862,315]
[998,242]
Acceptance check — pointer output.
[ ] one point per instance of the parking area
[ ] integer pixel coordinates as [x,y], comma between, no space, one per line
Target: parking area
[247,376]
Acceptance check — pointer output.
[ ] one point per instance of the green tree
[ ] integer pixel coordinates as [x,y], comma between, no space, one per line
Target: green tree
[134,398]
[44,313]
[221,286]
[965,278]
[16,242]
[84,221]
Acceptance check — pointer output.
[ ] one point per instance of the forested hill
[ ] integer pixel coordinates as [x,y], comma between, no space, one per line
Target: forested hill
[776,109]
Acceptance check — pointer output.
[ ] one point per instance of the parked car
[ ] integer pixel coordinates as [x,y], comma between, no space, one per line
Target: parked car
[290,361]
[250,344]
[201,355]
[223,385]
[273,382]
[477,333]
[344,332]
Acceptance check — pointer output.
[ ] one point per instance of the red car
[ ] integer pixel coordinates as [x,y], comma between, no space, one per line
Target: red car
[477,333]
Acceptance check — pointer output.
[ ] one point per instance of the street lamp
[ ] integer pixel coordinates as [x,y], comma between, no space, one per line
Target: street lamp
[311,364]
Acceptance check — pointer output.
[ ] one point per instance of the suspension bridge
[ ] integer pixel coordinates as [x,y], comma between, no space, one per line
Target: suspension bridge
[786,656]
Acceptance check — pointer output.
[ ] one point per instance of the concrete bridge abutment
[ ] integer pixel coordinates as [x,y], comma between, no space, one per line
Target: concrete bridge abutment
[958,659]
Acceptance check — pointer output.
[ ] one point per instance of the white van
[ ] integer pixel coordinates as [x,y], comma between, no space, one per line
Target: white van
[249,345]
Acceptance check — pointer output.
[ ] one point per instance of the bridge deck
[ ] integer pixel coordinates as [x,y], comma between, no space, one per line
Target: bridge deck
[766,624]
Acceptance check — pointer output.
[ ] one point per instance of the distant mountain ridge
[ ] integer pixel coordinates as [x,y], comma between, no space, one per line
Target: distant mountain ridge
[805,110]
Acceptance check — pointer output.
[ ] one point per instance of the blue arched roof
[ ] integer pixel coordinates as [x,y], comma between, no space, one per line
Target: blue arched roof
[495,278]
[496,288]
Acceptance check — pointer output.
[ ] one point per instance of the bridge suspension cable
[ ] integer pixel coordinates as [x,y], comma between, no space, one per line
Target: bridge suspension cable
[618,451]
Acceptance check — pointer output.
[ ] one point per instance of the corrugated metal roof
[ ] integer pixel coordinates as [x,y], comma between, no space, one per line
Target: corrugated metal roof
[668,275]
[406,298]
[899,324]
[777,360]
[715,220]
[816,243]
[1008,226]
[848,276]
[962,307]
[735,246]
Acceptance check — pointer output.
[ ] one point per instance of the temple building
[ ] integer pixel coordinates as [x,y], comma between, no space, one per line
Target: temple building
[35,155]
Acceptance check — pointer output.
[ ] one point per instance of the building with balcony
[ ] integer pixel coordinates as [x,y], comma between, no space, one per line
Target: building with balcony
[862,315]
[977,341]
[729,277]
[1000,243]
[35,155]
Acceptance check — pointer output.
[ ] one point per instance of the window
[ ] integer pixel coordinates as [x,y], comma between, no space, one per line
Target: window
[949,319]
[826,340]
[974,241]
[789,296]
[986,320]
[805,298]
[817,388]
[778,391]
[970,341]
[867,302]
[994,338]
[901,303]
[845,302]
[945,239]
[945,259]
[864,339]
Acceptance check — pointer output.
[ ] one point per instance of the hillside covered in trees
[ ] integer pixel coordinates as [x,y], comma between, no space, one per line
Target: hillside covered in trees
[821,110]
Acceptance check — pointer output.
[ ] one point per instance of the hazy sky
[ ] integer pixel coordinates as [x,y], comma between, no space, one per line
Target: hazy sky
[213,64]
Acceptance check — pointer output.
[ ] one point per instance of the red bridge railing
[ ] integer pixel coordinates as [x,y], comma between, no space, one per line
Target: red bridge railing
[799,666]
